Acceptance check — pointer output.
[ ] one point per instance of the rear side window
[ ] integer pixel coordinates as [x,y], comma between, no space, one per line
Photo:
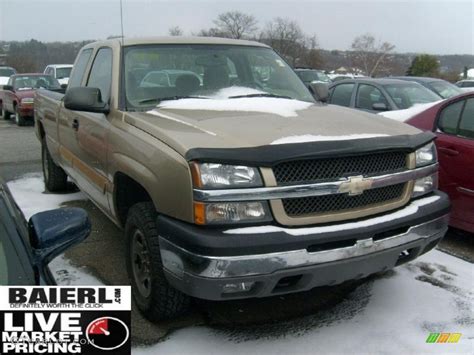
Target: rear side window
[466,126]
[79,68]
[101,73]
[449,118]
[341,95]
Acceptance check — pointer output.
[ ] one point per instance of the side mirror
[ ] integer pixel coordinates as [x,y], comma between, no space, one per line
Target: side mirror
[7,87]
[320,91]
[52,232]
[63,86]
[380,106]
[85,99]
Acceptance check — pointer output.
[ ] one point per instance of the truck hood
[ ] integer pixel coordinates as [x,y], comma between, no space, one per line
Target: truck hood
[184,129]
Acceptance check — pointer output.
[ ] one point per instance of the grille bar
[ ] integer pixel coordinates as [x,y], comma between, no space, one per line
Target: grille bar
[317,205]
[308,171]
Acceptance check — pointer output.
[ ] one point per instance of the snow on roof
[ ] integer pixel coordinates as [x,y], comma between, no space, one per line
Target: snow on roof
[60,65]
[316,138]
[220,102]
[404,115]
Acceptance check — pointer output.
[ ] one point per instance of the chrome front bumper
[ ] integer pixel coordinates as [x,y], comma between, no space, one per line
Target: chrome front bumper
[181,262]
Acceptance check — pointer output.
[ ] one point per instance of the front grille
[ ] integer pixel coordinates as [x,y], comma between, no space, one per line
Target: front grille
[297,207]
[308,171]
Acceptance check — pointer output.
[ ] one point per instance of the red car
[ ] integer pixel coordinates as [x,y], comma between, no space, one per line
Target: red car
[452,120]
[17,97]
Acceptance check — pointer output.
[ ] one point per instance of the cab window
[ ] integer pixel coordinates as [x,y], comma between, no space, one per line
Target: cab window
[80,68]
[101,73]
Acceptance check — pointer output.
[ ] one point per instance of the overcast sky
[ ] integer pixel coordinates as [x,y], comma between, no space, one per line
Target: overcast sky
[443,26]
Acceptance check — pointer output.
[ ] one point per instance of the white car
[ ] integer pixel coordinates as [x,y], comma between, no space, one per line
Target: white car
[61,72]
[5,73]
[466,85]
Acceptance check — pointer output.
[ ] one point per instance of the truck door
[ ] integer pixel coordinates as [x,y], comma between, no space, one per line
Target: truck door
[83,135]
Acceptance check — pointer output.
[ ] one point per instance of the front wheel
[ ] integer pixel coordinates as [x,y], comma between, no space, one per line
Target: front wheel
[19,119]
[154,296]
[55,179]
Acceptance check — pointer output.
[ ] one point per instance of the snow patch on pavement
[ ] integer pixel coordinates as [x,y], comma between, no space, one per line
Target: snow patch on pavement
[221,102]
[404,115]
[306,138]
[31,197]
[67,274]
[412,208]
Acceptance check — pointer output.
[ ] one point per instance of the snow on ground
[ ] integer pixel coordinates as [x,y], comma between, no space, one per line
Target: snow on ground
[403,115]
[30,195]
[305,138]
[400,312]
[221,102]
[393,314]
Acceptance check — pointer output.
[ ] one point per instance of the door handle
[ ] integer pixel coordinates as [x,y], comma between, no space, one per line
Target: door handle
[75,124]
[449,151]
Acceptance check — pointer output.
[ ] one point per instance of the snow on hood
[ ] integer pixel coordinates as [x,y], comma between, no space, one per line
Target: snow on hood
[221,102]
[4,80]
[317,138]
[404,115]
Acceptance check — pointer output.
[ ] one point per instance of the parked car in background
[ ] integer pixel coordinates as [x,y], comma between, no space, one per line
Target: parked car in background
[26,248]
[376,95]
[466,85]
[241,185]
[309,76]
[17,97]
[442,88]
[61,72]
[452,121]
[5,74]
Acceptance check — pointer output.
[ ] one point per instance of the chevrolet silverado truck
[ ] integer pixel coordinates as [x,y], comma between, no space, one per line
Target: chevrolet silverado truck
[229,179]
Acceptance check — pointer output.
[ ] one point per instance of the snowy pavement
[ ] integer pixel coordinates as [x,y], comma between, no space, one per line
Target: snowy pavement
[390,314]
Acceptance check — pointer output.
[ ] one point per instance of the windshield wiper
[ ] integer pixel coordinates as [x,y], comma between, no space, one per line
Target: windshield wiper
[170,98]
[260,95]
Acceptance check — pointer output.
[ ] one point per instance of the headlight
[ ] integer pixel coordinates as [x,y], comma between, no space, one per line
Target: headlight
[218,176]
[425,185]
[27,100]
[426,155]
[231,212]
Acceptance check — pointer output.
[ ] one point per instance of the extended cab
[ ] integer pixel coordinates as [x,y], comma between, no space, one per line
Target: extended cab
[230,180]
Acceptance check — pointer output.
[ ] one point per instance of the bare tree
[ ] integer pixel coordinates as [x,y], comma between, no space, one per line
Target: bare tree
[236,24]
[175,31]
[288,39]
[370,54]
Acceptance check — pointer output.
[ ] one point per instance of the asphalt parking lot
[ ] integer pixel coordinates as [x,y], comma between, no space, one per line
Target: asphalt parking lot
[103,256]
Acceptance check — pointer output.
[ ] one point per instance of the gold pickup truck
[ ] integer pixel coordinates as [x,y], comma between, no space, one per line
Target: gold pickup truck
[229,179]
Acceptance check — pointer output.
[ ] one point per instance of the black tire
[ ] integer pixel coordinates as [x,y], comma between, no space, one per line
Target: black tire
[19,119]
[158,301]
[6,115]
[2,113]
[55,179]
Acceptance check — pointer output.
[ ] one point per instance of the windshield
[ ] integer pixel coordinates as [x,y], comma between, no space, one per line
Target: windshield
[408,94]
[444,89]
[157,72]
[62,73]
[313,75]
[7,72]
[28,82]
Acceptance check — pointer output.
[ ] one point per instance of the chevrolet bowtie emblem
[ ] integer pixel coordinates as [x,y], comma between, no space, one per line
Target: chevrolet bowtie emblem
[355,185]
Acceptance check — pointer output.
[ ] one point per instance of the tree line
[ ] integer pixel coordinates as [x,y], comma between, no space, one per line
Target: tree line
[372,56]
